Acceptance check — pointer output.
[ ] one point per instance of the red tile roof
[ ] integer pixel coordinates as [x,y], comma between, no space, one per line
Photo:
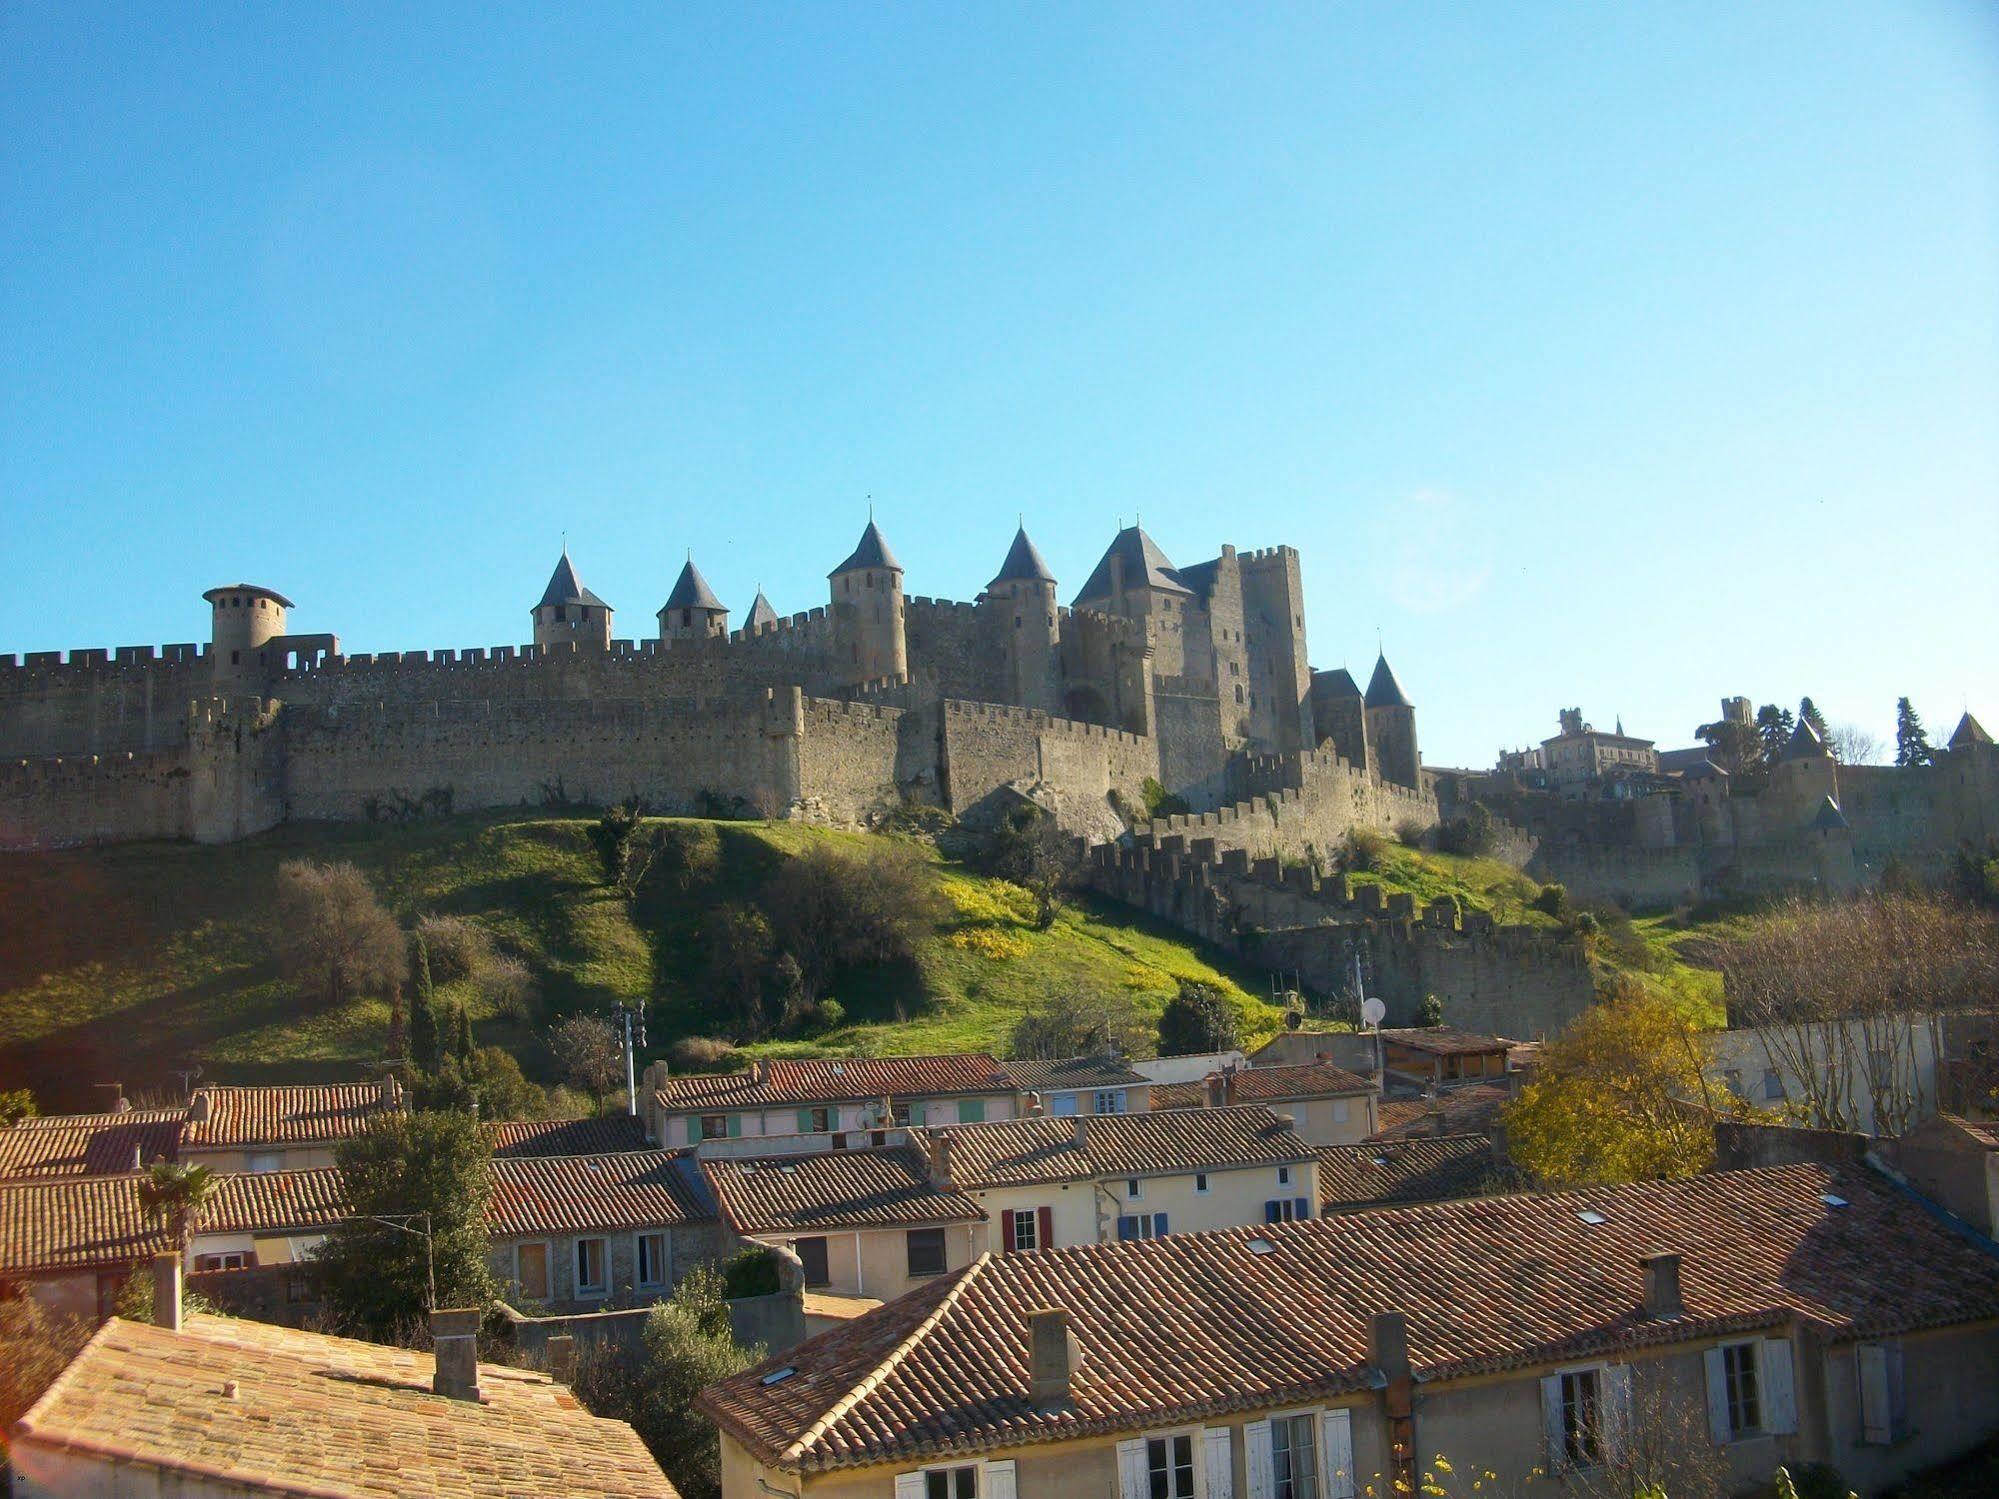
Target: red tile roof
[241,1117]
[1070,1074]
[328,1417]
[529,1137]
[1470,1109]
[1444,1040]
[832,1190]
[1399,1171]
[833,1080]
[583,1193]
[87,1144]
[1021,1152]
[1193,1326]
[1267,1085]
[271,1201]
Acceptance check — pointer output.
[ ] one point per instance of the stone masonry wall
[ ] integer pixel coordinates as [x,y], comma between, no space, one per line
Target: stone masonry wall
[985,747]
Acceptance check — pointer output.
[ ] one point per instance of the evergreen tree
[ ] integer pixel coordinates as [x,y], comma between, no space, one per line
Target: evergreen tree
[1912,740]
[1808,713]
[461,1037]
[1198,1019]
[426,1027]
[1773,727]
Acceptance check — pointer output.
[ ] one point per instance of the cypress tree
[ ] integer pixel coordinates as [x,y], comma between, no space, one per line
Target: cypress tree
[1809,713]
[1912,740]
[461,1037]
[426,1030]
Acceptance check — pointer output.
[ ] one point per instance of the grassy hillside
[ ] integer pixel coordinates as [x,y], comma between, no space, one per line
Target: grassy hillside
[125,963]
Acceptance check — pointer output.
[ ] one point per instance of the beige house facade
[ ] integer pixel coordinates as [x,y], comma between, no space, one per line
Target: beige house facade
[849,1097]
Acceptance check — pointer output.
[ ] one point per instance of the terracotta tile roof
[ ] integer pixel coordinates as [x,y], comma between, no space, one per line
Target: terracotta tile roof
[1066,1074]
[1267,1085]
[89,1222]
[1020,1152]
[828,1080]
[833,1189]
[1199,1325]
[529,1137]
[239,1117]
[1471,1109]
[579,1193]
[76,1223]
[1399,1171]
[326,1417]
[1444,1040]
[87,1144]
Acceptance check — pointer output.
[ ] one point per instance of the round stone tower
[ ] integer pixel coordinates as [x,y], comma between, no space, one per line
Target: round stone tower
[1022,599]
[867,611]
[246,618]
[570,612]
[691,611]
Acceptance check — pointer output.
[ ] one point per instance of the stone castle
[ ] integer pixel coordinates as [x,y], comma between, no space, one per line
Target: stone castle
[1156,681]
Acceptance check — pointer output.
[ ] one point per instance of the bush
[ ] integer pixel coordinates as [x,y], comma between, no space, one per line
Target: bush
[702,1054]
[508,985]
[1409,833]
[35,1346]
[1159,802]
[1553,901]
[1080,1025]
[1198,1019]
[1474,833]
[829,1015]
[1363,850]
[1430,1012]
[333,937]
[459,949]
[836,912]
[750,1272]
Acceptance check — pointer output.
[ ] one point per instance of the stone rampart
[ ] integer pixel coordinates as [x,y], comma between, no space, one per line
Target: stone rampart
[986,747]
[1297,805]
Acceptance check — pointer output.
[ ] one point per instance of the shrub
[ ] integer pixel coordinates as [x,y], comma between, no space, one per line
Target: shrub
[1363,850]
[1553,901]
[1474,833]
[459,949]
[829,1014]
[508,985]
[1077,1025]
[333,937]
[1159,802]
[590,1051]
[835,912]
[702,1054]
[1409,833]
[1431,1011]
[750,1272]
[1198,1019]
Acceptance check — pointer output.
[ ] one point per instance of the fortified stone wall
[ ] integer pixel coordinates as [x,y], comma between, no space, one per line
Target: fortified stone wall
[955,650]
[94,799]
[1194,744]
[985,748]
[95,702]
[1512,981]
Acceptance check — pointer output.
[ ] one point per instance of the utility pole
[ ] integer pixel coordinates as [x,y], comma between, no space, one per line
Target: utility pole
[625,1016]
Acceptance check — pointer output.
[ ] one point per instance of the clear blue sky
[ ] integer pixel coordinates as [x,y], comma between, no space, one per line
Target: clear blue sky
[1616,355]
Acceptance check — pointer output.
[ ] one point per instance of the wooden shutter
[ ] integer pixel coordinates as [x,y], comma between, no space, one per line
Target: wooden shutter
[1301,1208]
[1159,1228]
[972,1111]
[1336,1442]
[1553,1432]
[805,1121]
[735,1126]
[1127,1227]
[1221,1470]
[1780,1398]
[1256,1460]
[1273,1211]
[1006,1231]
[1131,1473]
[1044,1219]
[1877,1421]
[996,1480]
[1616,1410]
[909,1486]
[1717,1396]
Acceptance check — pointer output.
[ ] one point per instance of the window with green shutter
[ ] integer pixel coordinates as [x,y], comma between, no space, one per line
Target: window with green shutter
[735,1126]
[972,1111]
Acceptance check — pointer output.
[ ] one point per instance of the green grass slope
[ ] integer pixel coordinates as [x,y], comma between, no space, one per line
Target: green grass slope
[126,963]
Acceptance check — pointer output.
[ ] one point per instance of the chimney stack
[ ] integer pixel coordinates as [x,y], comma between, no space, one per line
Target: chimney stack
[562,1358]
[1388,1351]
[138,1157]
[1082,1131]
[1052,1356]
[197,1108]
[1228,1087]
[391,1091]
[1661,1273]
[757,1070]
[1215,1090]
[940,1160]
[166,1291]
[455,1335]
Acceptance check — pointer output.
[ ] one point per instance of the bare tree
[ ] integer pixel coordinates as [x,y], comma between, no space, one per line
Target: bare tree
[1853,745]
[332,935]
[1850,1000]
[1658,1442]
[591,1055]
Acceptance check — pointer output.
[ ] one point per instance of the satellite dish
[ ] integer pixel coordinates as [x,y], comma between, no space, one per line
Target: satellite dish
[1372,1012]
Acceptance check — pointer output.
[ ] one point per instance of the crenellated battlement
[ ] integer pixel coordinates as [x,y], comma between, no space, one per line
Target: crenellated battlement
[94,661]
[1035,719]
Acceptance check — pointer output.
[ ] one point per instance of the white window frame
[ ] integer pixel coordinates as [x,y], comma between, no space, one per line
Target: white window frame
[1116,1098]
[1333,1459]
[1613,1415]
[1283,1176]
[1135,1462]
[1201,1187]
[662,1272]
[263,1162]
[596,1291]
[1134,1189]
[1032,1218]
[1776,1390]
[992,1480]
[219,1259]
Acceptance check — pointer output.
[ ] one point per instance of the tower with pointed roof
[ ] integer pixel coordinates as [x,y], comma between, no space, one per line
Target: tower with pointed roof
[1968,798]
[1391,728]
[1021,603]
[691,611]
[569,613]
[1804,778]
[867,612]
[761,616]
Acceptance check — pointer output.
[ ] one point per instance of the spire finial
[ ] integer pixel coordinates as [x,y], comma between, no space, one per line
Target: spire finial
[871,510]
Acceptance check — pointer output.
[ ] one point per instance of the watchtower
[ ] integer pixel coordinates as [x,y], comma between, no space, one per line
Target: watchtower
[867,611]
[569,612]
[691,611]
[245,619]
[1021,598]
[1391,728]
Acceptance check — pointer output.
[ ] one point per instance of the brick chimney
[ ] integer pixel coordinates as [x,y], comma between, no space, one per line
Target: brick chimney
[1228,1087]
[166,1291]
[562,1358]
[455,1334]
[1388,1351]
[1661,1272]
[1216,1090]
[757,1070]
[1052,1357]
[197,1108]
[940,1160]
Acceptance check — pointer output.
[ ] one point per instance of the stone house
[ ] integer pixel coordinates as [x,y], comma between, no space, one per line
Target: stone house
[824,1096]
[1049,1183]
[203,1407]
[1080,1085]
[1734,1321]
[1871,1073]
[44,1148]
[291,1128]
[585,1233]
[1328,1105]
[1955,1162]
[1440,1056]
[867,1222]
